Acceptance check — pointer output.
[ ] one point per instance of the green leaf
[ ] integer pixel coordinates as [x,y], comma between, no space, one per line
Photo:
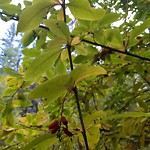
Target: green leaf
[60,67]
[28,38]
[58,28]
[82,59]
[84,71]
[9,91]
[5,1]
[136,31]
[11,72]
[55,43]
[41,64]
[82,10]
[53,88]
[91,117]
[100,37]
[109,18]
[127,115]
[31,52]
[81,50]
[40,139]
[8,109]
[32,16]
[109,37]
[10,8]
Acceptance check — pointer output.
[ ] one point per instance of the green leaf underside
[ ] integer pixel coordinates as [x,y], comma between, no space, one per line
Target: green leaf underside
[40,139]
[10,8]
[11,72]
[41,64]
[53,88]
[127,115]
[109,37]
[58,28]
[84,71]
[136,31]
[28,38]
[82,10]
[31,52]
[32,16]
[5,1]
[91,117]
[109,18]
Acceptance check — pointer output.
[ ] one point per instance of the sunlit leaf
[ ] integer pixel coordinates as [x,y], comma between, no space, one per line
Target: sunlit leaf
[108,19]
[136,31]
[31,52]
[41,64]
[5,1]
[28,38]
[32,16]
[10,8]
[89,119]
[84,71]
[52,88]
[82,10]
[75,40]
[58,28]
[11,72]
[127,115]
[40,139]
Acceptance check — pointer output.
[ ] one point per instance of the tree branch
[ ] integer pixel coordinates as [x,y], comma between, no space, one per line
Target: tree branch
[75,90]
[16,18]
[116,50]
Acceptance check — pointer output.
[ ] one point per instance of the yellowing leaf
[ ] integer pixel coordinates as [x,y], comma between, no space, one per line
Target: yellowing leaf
[84,71]
[64,55]
[52,89]
[75,41]
[41,64]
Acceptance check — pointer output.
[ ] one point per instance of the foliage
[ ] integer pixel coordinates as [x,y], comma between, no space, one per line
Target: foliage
[97,75]
[10,50]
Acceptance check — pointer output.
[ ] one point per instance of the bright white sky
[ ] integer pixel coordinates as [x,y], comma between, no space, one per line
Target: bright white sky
[5,25]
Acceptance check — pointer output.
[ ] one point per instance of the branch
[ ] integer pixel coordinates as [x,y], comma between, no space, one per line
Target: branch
[18,89]
[75,90]
[13,17]
[116,50]
[16,18]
